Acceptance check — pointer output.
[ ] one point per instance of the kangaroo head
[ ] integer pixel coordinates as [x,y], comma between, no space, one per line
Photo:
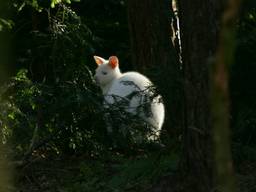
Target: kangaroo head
[107,70]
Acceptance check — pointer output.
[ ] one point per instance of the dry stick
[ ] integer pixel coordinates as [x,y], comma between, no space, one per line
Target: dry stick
[36,146]
[34,137]
[220,99]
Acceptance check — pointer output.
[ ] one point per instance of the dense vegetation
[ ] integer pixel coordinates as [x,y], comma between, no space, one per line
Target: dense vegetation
[51,108]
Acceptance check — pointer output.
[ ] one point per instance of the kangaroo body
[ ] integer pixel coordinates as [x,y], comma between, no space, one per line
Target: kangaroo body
[131,87]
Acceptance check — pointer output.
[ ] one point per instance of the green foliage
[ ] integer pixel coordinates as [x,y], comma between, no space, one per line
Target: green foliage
[64,114]
[6,24]
[121,174]
[56,2]
[56,100]
[39,5]
[53,54]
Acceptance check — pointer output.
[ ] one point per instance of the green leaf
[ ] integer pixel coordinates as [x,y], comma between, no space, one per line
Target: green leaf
[6,24]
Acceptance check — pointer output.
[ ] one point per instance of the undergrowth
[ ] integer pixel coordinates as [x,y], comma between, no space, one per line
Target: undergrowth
[135,174]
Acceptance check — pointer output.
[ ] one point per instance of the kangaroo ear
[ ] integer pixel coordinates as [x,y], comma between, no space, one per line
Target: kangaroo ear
[99,60]
[113,62]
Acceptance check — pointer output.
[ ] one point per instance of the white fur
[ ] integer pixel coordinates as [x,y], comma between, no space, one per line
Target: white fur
[111,81]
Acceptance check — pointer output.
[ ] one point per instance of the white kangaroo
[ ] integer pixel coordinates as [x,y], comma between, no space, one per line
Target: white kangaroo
[116,85]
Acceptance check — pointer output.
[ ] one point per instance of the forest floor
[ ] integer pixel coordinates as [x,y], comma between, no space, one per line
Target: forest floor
[129,174]
[115,173]
[47,175]
[246,176]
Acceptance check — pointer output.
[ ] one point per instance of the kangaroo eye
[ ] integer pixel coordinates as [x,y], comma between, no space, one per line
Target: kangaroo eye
[104,73]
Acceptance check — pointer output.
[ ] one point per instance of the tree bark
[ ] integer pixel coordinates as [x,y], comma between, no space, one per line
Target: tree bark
[199,29]
[220,98]
[154,54]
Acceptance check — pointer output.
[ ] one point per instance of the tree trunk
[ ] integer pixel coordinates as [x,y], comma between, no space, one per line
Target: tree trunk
[199,38]
[220,99]
[154,54]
